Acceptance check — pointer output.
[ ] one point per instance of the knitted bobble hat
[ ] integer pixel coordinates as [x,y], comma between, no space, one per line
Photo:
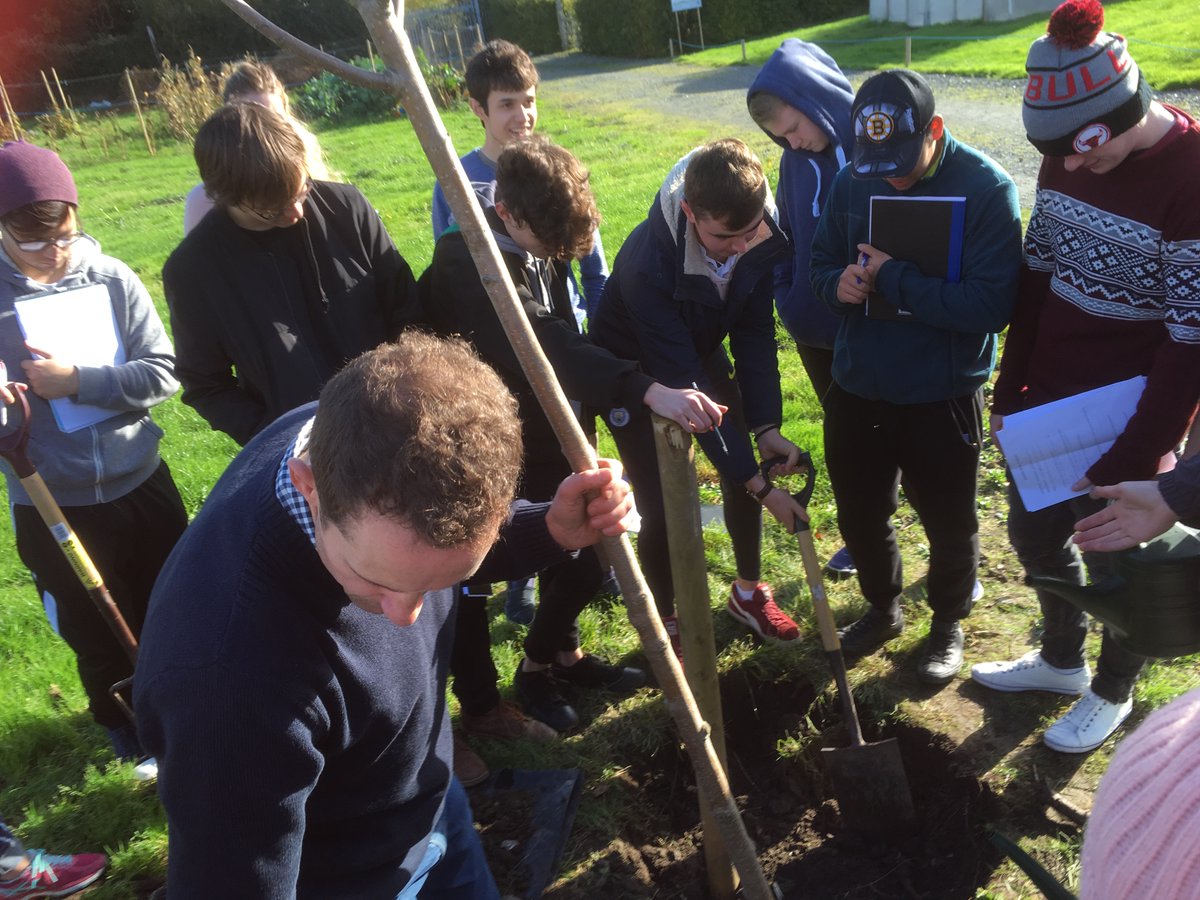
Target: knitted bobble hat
[1084,88]
[1142,835]
[31,174]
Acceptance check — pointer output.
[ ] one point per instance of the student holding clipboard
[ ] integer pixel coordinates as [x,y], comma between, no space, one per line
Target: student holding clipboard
[98,453]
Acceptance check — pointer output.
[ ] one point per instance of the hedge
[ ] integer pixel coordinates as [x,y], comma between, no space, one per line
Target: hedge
[533,24]
[641,28]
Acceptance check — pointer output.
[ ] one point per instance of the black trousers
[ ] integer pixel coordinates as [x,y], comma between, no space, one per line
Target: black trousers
[1043,543]
[743,514]
[869,445]
[818,365]
[564,589]
[128,539]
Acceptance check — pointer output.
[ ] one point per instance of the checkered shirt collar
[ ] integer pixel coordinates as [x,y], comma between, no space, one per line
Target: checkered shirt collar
[289,498]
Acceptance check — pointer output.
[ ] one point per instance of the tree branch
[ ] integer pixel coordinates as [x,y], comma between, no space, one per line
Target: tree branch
[309,53]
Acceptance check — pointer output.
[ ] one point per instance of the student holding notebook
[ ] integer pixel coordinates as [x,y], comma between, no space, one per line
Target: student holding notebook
[116,491]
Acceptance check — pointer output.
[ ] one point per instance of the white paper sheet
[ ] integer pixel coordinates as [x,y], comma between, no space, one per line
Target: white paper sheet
[78,326]
[1050,447]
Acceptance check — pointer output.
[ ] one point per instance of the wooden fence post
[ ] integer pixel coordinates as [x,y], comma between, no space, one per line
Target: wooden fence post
[693,606]
[14,121]
[907,51]
[137,108]
[50,93]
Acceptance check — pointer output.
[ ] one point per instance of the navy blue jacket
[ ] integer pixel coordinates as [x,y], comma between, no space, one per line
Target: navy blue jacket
[804,76]
[660,308]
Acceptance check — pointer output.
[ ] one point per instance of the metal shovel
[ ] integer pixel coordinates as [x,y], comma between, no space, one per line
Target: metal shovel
[13,448]
[868,778]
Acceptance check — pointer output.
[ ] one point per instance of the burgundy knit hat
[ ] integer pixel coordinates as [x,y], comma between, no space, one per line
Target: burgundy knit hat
[1141,839]
[30,174]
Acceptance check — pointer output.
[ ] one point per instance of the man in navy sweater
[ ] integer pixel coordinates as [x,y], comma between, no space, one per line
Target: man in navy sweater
[292,675]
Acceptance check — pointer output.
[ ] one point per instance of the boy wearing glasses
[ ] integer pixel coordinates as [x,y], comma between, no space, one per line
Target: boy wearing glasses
[283,283]
[116,491]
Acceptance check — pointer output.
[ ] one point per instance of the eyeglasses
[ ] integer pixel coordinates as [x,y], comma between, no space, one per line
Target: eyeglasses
[272,215]
[62,243]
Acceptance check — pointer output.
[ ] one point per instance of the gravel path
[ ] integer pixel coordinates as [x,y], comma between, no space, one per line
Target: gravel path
[985,113]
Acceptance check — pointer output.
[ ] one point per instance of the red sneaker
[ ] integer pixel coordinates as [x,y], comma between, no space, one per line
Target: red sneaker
[54,876]
[761,615]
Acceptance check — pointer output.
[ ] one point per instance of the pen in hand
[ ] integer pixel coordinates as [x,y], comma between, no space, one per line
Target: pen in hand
[863,259]
[696,387]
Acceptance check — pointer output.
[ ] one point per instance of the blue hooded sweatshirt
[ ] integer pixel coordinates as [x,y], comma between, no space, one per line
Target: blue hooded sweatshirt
[805,77]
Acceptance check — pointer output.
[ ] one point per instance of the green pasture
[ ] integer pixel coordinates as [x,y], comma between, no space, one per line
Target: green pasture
[1164,38]
[58,782]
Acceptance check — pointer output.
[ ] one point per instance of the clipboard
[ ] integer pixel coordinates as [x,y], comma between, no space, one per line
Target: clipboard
[79,325]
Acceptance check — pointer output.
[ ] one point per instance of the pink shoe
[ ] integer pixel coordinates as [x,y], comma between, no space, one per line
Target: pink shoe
[54,876]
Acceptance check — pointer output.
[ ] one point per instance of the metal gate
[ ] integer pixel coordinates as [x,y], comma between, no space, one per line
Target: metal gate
[449,34]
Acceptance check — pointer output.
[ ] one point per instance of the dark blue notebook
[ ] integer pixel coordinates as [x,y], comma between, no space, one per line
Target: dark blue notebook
[927,231]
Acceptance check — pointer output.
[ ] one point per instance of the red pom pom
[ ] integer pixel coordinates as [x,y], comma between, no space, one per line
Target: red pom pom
[1076,23]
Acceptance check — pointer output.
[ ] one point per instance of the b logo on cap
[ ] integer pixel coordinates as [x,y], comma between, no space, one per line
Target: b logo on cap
[878,126]
[1091,136]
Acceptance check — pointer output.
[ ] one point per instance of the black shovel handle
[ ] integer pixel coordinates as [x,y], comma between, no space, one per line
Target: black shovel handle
[804,495]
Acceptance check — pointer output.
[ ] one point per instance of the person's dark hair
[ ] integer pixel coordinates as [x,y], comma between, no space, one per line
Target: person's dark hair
[764,107]
[252,76]
[250,156]
[420,431]
[725,181]
[37,218]
[499,66]
[546,188]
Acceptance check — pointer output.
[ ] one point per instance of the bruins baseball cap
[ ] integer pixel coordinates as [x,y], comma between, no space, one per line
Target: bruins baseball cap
[891,112]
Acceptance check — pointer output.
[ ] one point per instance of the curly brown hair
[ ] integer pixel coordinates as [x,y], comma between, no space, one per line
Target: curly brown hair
[420,431]
[250,156]
[499,66]
[545,188]
[725,181]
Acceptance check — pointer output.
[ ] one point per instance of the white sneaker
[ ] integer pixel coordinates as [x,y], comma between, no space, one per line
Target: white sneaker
[146,770]
[1087,724]
[1031,673]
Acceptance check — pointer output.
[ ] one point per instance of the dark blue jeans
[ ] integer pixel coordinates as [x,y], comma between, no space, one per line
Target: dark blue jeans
[454,867]
[1043,543]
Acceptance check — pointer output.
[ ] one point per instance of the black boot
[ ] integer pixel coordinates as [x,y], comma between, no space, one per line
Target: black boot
[943,655]
[868,633]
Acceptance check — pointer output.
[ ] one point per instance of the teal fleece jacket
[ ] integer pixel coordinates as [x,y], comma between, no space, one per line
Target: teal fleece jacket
[948,346]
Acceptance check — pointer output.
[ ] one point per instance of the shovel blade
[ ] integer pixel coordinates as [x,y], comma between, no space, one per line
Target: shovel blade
[870,786]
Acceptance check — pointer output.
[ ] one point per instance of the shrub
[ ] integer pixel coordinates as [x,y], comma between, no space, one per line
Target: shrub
[533,24]
[330,99]
[187,95]
[446,83]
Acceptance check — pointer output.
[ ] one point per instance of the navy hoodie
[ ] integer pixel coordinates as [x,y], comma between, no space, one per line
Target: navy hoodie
[806,77]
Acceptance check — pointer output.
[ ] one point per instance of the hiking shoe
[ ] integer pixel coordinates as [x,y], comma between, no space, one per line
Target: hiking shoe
[519,602]
[943,655]
[671,625]
[761,615]
[504,722]
[841,566]
[54,876]
[598,674]
[1087,724]
[868,633]
[469,767]
[539,696]
[1031,673]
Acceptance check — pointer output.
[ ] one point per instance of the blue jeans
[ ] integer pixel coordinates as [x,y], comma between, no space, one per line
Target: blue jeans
[454,867]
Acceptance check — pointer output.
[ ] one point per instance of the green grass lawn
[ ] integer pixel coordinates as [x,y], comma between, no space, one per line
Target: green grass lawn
[1164,38]
[58,781]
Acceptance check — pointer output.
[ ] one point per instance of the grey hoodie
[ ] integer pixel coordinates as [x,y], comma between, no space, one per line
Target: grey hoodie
[104,461]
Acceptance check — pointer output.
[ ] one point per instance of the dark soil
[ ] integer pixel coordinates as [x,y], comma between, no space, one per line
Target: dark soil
[804,846]
[504,820]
